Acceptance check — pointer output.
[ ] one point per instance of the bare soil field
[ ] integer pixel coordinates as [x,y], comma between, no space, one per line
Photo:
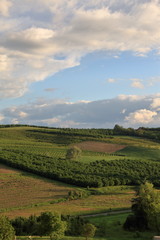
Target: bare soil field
[23,194]
[99,146]
[20,189]
[92,204]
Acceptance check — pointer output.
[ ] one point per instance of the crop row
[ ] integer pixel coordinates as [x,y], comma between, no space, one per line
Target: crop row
[94,174]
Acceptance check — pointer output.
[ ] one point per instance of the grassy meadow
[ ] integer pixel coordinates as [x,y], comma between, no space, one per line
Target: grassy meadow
[112,228]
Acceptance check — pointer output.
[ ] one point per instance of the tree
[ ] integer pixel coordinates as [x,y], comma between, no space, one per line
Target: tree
[51,224]
[58,229]
[6,229]
[149,200]
[73,153]
[88,230]
[146,210]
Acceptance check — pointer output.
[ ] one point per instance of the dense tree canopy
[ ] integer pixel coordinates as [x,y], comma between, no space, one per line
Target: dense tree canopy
[47,224]
[6,230]
[146,209]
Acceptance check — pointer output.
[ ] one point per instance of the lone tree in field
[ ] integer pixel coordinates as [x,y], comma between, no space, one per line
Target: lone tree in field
[73,153]
[6,230]
[88,230]
[146,210]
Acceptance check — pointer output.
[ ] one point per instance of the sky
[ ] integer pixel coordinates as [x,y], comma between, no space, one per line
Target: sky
[80,64]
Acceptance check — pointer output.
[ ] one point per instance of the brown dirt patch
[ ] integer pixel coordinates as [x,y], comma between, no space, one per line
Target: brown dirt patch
[20,189]
[92,204]
[99,146]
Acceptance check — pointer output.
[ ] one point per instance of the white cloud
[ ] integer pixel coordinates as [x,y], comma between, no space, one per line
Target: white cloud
[156,103]
[137,83]
[22,114]
[130,98]
[4,7]
[99,114]
[111,80]
[123,111]
[142,116]
[37,32]
[4,63]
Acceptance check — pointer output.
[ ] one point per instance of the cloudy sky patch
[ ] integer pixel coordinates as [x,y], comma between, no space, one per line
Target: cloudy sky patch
[80,48]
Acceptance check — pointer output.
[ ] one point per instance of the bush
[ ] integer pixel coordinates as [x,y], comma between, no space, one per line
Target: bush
[73,153]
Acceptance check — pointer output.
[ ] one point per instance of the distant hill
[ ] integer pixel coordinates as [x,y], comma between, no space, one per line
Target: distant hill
[135,154]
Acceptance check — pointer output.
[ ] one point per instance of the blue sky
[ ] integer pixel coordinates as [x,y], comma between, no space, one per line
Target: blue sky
[80,63]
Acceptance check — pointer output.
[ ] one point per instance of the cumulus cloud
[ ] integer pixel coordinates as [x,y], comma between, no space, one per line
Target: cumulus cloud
[142,116]
[130,98]
[136,83]
[127,111]
[156,103]
[111,80]
[4,7]
[41,38]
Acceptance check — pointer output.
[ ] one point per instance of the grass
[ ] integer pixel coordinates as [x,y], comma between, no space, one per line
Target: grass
[47,143]
[141,153]
[112,227]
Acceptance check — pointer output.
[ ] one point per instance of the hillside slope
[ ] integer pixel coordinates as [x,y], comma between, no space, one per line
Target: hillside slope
[42,151]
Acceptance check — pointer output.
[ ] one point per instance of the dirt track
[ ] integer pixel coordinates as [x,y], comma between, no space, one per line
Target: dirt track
[107,213]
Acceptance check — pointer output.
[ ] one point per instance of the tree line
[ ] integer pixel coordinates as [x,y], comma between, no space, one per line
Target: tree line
[49,224]
[150,133]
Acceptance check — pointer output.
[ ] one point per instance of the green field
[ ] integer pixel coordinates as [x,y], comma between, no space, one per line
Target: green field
[43,150]
[112,228]
[35,176]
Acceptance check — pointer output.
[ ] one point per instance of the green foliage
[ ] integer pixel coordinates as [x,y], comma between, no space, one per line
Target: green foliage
[24,226]
[88,230]
[146,210]
[6,229]
[95,174]
[73,153]
[45,224]
[74,225]
[110,228]
[77,194]
[42,151]
[58,229]
[149,201]
[51,224]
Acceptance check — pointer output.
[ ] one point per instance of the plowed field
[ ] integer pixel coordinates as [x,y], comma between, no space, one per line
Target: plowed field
[20,189]
[99,146]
